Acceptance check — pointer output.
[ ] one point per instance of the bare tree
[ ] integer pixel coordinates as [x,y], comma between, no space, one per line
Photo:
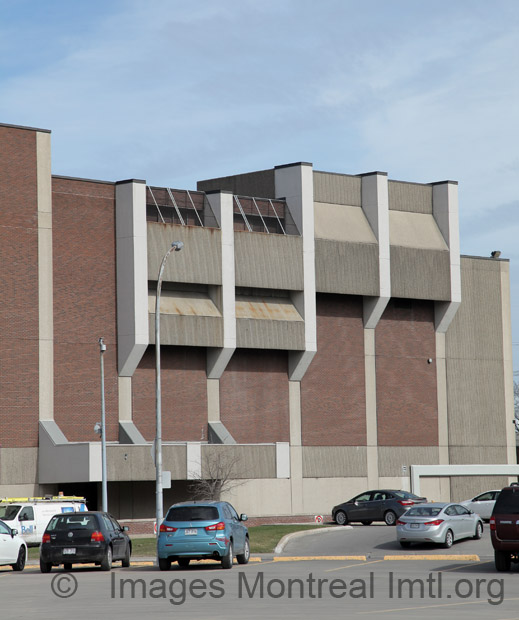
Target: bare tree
[220,471]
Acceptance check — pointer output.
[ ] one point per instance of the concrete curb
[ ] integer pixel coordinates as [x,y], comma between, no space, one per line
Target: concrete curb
[288,537]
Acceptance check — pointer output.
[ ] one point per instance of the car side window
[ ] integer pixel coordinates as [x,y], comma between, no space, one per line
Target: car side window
[451,511]
[116,525]
[365,497]
[234,513]
[484,497]
[379,497]
[461,510]
[4,529]
[26,514]
[108,523]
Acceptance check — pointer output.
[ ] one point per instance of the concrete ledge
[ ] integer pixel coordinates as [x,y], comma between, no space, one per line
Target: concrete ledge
[286,539]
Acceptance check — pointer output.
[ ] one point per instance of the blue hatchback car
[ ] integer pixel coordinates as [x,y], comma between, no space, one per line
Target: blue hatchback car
[203,530]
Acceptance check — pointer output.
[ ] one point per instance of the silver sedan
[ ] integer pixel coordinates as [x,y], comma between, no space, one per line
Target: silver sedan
[438,523]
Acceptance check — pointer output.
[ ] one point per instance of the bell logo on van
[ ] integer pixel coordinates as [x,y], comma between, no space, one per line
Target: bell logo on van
[67,509]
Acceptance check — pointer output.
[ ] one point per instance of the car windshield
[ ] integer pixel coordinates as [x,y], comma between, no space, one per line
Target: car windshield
[423,511]
[7,513]
[192,513]
[507,503]
[61,523]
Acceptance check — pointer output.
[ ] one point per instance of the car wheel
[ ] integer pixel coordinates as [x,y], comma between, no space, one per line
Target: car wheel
[126,560]
[67,566]
[405,544]
[449,539]
[366,522]
[390,517]
[341,518]
[243,558]
[479,530]
[183,562]
[502,560]
[45,567]
[20,562]
[164,563]
[106,562]
[228,558]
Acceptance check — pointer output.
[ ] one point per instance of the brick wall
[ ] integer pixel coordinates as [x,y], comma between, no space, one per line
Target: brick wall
[184,394]
[19,287]
[254,396]
[84,306]
[333,401]
[407,407]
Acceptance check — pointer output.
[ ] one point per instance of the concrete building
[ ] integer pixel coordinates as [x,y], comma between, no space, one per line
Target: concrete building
[320,328]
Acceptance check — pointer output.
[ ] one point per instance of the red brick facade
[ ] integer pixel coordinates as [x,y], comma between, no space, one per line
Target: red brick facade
[84,306]
[333,401]
[254,396]
[407,401]
[184,394]
[19,372]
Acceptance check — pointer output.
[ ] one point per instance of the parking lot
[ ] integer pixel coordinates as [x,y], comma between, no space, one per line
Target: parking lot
[370,577]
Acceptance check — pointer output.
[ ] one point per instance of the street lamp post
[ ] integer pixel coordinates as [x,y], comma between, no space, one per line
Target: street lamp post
[102,349]
[175,246]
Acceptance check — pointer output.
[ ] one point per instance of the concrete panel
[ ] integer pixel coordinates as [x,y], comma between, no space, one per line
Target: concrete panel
[135,462]
[342,189]
[194,331]
[243,461]
[468,454]
[268,261]
[320,495]
[189,303]
[261,497]
[413,197]
[420,274]
[265,334]
[199,261]
[334,461]
[259,184]
[391,459]
[342,223]
[415,230]
[271,308]
[467,487]
[346,268]
[18,466]
[20,490]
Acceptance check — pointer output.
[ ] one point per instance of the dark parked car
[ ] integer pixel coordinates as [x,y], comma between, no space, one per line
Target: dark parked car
[382,505]
[84,538]
[203,530]
[504,528]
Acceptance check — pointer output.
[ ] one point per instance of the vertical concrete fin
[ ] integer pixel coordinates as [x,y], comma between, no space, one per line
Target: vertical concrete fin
[221,203]
[132,274]
[375,205]
[295,183]
[445,213]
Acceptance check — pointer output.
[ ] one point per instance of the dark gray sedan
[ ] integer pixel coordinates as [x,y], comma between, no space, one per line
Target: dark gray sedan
[379,505]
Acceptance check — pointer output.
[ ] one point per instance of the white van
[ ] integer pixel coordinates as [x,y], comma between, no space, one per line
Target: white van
[30,515]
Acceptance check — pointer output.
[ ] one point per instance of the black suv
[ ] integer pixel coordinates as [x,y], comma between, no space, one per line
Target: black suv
[504,527]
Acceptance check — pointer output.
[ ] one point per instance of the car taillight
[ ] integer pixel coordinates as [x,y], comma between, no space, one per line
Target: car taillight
[436,522]
[406,502]
[493,524]
[216,526]
[97,537]
[167,528]
[46,538]
[400,522]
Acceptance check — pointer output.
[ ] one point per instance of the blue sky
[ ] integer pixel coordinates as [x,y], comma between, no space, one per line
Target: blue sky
[173,92]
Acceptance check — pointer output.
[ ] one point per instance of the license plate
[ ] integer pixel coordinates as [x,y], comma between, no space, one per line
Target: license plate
[69,551]
[415,525]
[191,532]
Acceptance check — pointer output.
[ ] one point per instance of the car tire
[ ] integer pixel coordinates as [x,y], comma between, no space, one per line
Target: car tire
[390,518]
[479,530]
[125,563]
[106,562]
[243,558]
[228,557]
[449,539]
[19,565]
[67,566]
[183,562]
[45,567]
[502,560]
[405,544]
[164,563]
[366,522]
[341,518]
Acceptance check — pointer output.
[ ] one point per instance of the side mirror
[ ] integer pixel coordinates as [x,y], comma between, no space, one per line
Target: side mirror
[243,517]
[125,528]
[14,533]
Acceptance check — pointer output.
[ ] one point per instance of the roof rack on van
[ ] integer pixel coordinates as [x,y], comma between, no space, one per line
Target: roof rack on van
[47,498]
